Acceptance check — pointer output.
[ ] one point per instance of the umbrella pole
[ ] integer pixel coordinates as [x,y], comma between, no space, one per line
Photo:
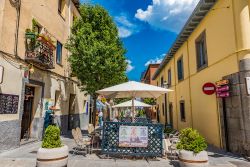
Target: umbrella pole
[133,109]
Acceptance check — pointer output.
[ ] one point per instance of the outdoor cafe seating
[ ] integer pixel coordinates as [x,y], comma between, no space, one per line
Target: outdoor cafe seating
[137,137]
[85,144]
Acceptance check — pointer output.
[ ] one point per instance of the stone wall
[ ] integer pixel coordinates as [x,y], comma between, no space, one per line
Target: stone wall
[237,112]
[9,134]
[76,120]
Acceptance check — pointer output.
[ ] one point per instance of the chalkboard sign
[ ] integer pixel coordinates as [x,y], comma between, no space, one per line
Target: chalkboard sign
[8,103]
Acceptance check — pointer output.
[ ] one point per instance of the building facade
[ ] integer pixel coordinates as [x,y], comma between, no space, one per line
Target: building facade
[147,76]
[213,45]
[34,70]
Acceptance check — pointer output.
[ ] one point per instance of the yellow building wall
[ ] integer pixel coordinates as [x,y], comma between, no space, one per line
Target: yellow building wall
[202,110]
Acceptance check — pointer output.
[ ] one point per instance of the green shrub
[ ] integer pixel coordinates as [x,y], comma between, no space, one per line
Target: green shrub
[191,140]
[52,137]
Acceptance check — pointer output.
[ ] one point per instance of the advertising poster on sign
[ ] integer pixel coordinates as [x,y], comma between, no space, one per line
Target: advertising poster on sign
[133,136]
[47,103]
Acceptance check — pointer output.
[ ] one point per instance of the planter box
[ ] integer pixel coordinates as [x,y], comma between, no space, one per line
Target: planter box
[189,159]
[53,157]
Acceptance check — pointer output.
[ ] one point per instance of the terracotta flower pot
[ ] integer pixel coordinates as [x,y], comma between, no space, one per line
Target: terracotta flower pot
[189,159]
[54,157]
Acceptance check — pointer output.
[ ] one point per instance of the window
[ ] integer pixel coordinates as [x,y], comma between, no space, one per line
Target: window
[201,51]
[37,28]
[169,78]
[61,7]
[163,109]
[182,110]
[74,17]
[162,82]
[180,68]
[59,53]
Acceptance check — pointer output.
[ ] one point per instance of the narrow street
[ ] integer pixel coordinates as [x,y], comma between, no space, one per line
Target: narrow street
[25,156]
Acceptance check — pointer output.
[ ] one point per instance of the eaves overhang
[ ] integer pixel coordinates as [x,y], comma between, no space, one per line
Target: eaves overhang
[201,10]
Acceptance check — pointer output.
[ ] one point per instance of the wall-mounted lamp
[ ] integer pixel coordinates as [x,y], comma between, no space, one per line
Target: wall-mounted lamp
[165,84]
[31,68]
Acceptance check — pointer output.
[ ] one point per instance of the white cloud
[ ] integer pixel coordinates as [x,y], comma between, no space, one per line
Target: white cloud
[157,60]
[124,32]
[125,27]
[167,14]
[129,66]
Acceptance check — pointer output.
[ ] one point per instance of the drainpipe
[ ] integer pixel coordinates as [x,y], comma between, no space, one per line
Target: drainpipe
[69,32]
[16,4]
[189,82]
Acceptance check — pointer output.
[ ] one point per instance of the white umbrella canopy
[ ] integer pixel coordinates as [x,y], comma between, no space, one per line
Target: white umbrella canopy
[129,104]
[133,89]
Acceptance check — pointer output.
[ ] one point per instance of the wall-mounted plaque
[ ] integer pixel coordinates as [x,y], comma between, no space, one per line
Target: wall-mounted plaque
[1,74]
[8,103]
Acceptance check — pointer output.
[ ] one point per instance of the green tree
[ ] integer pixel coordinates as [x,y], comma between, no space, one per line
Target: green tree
[121,100]
[150,101]
[97,53]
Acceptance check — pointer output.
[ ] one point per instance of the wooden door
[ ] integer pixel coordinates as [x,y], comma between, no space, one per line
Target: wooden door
[27,112]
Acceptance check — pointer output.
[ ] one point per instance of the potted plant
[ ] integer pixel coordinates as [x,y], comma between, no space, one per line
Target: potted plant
[192,149]
[52,153]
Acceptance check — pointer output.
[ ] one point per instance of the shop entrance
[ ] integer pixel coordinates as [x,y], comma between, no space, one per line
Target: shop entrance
[71,111]
[27,112]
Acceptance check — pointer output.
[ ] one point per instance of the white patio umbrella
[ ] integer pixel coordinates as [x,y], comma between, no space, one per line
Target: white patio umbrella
[133,89]
[129,104]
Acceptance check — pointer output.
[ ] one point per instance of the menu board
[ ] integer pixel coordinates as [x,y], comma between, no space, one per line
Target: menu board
[8,103]
[133,136]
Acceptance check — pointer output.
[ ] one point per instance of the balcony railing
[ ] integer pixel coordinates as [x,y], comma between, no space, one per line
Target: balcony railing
[39,50]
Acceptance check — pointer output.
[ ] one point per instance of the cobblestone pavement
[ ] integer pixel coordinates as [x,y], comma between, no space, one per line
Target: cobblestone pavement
[25,156]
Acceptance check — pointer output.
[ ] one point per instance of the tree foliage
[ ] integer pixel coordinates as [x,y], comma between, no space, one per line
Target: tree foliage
[121,100]
[97,54]
[150,101]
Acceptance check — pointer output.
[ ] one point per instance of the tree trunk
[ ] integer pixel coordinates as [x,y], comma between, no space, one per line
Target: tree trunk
[94,110]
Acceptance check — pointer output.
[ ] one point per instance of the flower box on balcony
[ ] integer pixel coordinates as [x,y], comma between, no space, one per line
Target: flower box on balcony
[46,40]
[39,50]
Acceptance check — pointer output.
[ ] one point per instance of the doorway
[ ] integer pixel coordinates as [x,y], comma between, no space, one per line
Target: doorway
[158,113]
[27,112]
[226,133]
[171,114]
[71,120]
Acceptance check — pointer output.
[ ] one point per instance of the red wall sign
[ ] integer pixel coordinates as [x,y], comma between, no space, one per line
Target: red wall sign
[223,94]
[208,88]
[222,88]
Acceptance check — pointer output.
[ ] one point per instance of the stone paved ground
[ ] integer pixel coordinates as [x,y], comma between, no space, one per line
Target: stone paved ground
[25,156]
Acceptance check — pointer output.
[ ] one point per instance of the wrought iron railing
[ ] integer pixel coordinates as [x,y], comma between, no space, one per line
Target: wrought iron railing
[110,140]
[136,119]
[39,51]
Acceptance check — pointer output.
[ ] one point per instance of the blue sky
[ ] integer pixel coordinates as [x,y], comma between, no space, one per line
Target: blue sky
[147,28]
